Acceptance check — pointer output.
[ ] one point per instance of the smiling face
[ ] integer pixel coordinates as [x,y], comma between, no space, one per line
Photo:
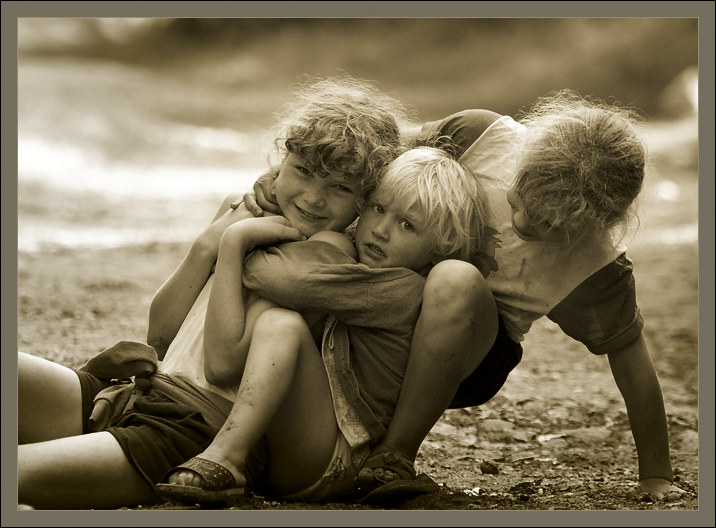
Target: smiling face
[315,202]
[393,234]
[525,228]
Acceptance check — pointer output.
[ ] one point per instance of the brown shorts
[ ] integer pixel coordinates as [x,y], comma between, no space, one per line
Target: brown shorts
[489,377]
[158,434]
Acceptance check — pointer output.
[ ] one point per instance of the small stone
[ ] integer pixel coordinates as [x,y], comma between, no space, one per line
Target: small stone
[489,468]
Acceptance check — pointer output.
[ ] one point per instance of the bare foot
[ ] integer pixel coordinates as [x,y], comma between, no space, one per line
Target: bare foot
[656,488]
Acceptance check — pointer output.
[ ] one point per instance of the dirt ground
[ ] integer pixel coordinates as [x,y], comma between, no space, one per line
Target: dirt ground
[555,438]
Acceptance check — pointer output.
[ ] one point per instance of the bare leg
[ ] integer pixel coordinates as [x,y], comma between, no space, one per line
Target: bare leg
[49,400]
[79,472]
[454,333]
[284,394]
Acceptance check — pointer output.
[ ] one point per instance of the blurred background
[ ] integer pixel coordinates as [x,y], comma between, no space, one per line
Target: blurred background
[131,130]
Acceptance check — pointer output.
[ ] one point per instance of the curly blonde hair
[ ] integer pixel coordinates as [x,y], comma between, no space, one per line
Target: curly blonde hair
[583,164]
[450,196]
[341,124]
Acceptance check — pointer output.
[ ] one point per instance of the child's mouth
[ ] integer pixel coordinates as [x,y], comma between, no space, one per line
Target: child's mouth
[306,214]
[375,250]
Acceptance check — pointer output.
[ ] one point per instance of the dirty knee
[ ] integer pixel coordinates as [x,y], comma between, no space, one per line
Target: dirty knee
[455,281]
[276,320]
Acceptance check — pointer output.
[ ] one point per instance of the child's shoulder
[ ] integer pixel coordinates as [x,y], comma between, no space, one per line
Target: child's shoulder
[463,128]
[341,240]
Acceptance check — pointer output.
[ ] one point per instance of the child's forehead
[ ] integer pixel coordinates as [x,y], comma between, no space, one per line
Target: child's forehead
[337,173]
[343,176]
[338,176]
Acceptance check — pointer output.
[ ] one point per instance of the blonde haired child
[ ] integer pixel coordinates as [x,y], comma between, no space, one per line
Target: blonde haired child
[320,411]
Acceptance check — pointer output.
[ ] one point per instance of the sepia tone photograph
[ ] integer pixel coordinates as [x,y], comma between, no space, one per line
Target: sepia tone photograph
[367,264]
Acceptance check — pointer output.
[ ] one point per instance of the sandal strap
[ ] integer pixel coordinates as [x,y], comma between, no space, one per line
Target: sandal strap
[216,477]
[392,461]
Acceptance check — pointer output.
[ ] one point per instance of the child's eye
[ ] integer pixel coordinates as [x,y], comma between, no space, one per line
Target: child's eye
[407,225]
[303,170]
[344,188]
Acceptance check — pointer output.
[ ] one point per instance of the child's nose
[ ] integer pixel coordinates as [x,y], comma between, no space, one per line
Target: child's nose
[314,195]
[382,229]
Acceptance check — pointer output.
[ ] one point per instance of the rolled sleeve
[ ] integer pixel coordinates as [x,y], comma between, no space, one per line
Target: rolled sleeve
[315,275]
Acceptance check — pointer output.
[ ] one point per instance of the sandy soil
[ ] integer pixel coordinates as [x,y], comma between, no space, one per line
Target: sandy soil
[555,438]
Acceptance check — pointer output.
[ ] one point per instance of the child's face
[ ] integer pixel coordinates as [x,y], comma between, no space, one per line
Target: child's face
[389,234]
[313,202]
[524,228]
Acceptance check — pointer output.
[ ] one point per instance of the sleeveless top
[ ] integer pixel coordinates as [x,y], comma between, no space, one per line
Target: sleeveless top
[185,355]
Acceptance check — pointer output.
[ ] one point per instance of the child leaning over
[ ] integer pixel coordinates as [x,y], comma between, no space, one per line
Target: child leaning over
[320,412]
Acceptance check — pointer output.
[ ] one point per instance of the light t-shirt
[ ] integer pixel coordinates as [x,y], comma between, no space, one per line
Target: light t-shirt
[587,287]
[185,355]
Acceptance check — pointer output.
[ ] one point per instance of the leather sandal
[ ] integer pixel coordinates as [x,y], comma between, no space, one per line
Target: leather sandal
[218,484]
[376,491]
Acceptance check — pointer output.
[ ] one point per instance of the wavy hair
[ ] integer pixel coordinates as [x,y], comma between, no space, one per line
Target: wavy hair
[583,165]
[341,124]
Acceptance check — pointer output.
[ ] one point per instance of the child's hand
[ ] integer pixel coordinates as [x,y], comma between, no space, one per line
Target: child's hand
[254,232]
[658,488]
[261,199]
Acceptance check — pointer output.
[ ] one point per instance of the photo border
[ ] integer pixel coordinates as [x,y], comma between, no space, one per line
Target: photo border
[12,11]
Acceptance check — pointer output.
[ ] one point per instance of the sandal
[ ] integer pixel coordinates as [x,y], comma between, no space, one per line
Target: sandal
[379,492]
[219,484]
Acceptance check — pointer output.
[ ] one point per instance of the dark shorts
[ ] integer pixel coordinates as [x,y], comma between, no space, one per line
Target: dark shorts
[158,434]
[489,377]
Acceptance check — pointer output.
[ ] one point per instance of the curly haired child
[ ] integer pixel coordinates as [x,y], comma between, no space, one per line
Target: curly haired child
[72,455]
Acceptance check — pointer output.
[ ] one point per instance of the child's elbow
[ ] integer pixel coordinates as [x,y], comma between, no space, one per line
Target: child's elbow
[218,374]
[160,345]
[213,376]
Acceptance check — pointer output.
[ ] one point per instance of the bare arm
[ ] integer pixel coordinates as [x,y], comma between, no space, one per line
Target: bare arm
[228,313]
[410,133]
[637,380]
[176,296]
